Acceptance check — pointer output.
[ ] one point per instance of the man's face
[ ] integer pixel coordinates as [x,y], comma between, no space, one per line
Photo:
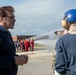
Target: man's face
[9,21]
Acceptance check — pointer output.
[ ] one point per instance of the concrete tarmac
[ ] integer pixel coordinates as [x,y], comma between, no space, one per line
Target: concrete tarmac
[40,63]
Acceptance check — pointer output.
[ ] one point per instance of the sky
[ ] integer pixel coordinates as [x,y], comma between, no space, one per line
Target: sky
[36,17]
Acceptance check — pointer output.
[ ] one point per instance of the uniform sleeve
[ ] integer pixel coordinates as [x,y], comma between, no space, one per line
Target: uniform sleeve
[5,61]
[60,62]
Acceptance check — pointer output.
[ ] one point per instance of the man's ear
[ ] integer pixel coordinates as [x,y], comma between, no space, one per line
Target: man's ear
[4,20]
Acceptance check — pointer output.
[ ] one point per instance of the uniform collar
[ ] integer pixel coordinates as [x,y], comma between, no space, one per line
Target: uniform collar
[2,28]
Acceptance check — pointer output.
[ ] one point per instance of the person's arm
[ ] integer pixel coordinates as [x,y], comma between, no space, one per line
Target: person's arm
[20,60]
[4,60]
[8,61]
[11,61]
[60,60]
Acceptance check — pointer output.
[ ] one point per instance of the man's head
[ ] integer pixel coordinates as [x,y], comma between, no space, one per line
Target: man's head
[69,18]
[7,18]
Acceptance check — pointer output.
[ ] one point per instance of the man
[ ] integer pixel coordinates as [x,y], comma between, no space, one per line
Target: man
[9,61]
[66,46]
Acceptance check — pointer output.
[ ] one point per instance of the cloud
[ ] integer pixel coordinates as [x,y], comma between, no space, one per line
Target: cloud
[39,16]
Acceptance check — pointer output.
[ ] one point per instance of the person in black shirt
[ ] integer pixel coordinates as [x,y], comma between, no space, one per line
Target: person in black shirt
[9,61]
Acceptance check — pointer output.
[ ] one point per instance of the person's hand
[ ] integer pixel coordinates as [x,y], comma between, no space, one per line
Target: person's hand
[20,60]
[26,58]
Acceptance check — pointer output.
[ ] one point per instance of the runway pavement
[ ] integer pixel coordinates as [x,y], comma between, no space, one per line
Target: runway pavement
[40,63]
